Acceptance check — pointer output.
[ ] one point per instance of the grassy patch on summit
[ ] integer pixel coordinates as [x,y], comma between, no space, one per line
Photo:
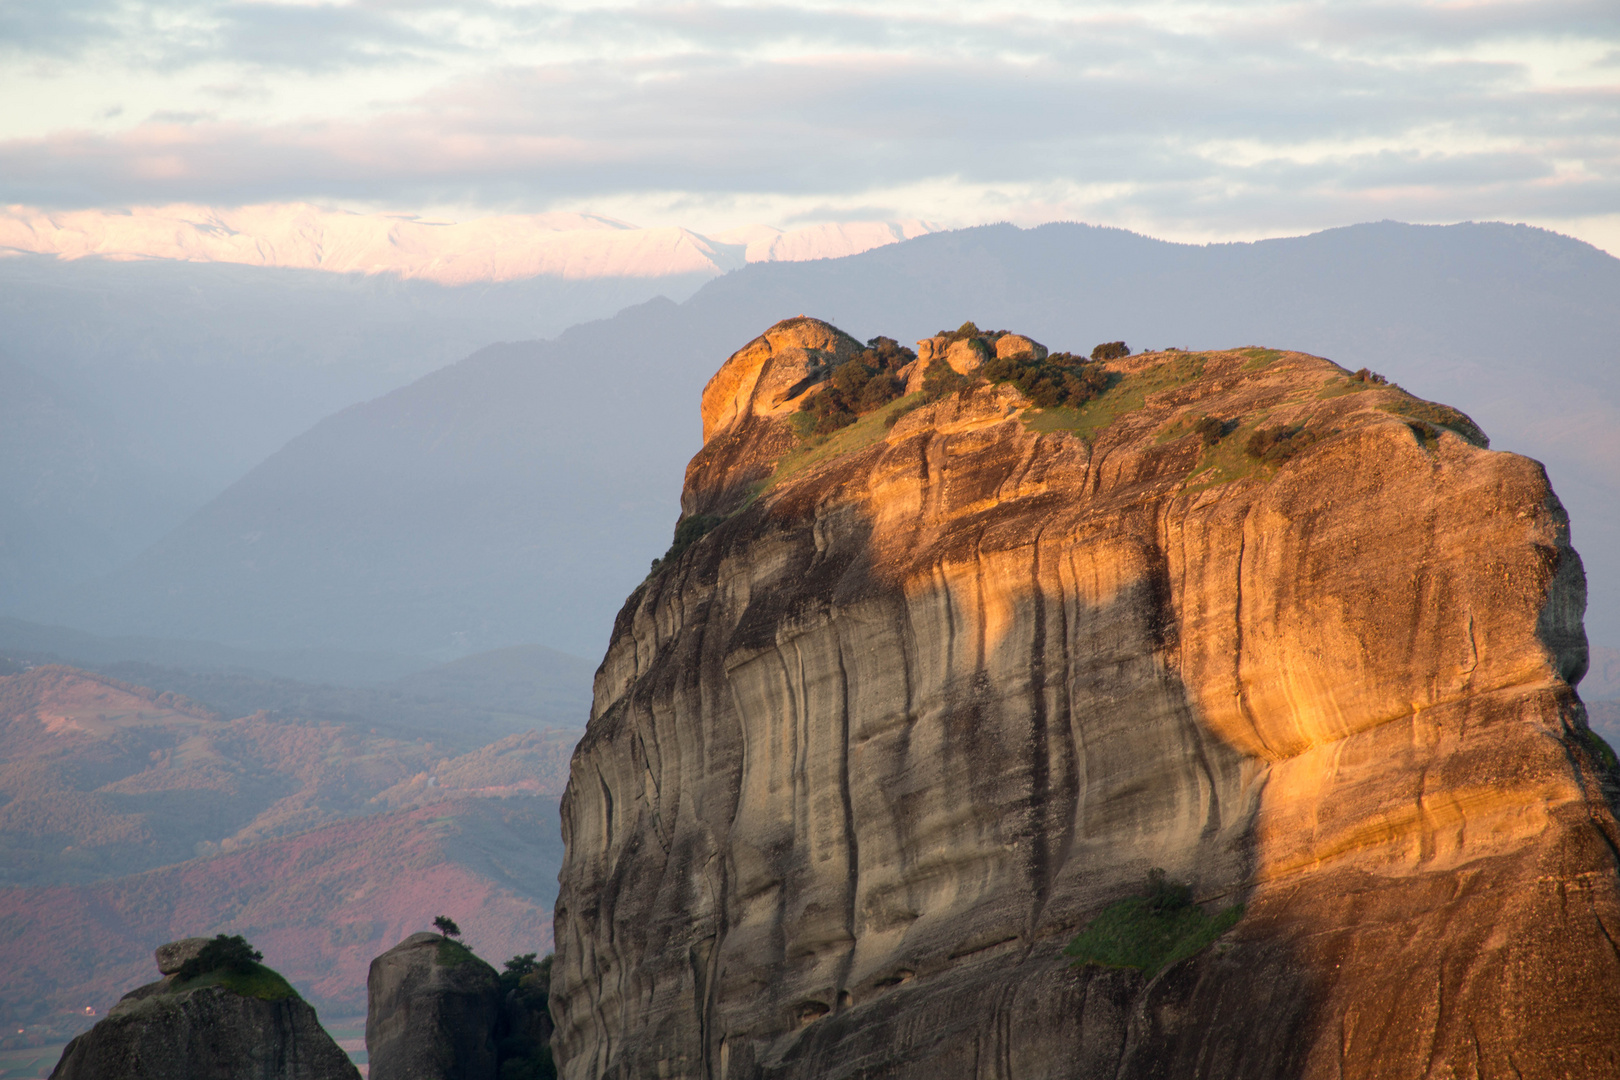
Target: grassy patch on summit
[254,981]
[1339,386]
[869,429]
[1151,932]
[1125,394]
[1223,463]
[454,954]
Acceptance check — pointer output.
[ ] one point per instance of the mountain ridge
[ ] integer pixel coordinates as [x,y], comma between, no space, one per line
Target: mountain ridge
[1513,324]
[568,246]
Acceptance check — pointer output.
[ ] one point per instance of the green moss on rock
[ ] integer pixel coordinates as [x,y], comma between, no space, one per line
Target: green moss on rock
[453,954]
[253,980]
[1151,932]
[1125,393]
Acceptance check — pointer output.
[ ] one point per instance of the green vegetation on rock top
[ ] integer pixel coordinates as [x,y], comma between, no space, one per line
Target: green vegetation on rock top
[454,954]
[1151,932]
[233,952]
[857,386]
[1127,393]
[869,429]
[1222,463]
[1353,383]
[254,981]
[1061,380]
[1338,386]
[233,963]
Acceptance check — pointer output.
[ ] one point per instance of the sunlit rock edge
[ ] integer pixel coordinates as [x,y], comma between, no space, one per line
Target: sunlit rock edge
[867,755]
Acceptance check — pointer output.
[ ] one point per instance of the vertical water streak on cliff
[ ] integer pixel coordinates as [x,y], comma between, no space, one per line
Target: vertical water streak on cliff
[1040,767]
[851,841]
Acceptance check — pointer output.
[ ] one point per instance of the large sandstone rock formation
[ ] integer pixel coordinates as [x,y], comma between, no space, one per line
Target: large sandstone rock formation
[213,1027]
[931,696]
[432,1012]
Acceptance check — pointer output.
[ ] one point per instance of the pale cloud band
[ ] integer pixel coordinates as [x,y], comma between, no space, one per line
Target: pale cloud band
[1197,121]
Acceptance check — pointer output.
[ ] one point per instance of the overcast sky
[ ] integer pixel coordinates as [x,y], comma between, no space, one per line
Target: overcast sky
[1183,120]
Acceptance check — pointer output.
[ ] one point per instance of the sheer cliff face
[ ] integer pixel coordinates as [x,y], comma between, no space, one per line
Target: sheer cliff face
[930,696]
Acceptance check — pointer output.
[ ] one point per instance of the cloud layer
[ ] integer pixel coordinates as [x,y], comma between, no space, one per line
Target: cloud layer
[1190,120]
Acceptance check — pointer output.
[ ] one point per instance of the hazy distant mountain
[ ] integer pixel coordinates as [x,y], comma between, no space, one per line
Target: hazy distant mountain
[519,494]
[529,680]
[72,478]
[460,705]
[165,352]
[558,245]
[1604,716]
[133,392]
[39,643]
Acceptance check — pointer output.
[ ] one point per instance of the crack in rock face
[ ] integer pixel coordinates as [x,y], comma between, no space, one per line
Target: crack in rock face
[940,688]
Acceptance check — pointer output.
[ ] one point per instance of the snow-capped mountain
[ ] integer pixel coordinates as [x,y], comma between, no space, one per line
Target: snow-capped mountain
[509,248]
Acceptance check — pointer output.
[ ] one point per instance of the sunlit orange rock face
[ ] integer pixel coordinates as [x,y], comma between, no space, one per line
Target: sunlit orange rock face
[930,696]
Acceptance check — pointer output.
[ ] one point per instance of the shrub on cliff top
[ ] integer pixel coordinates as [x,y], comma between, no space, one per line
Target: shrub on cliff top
[222,954]
[1276,445]
[861,384]
[1062,380]
[523,1054]
[1150,932]
[941,379]
[1111,350]
[1210,429]
[234,964]
[966,332]
[1438,416]
[529,976]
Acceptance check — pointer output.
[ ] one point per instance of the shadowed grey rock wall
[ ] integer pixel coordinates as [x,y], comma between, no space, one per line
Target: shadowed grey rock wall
[202,1029]
[432,1012]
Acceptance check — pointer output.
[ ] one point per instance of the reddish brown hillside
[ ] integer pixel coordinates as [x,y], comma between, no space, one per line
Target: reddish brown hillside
[99,778]
[320,905]
[130,817]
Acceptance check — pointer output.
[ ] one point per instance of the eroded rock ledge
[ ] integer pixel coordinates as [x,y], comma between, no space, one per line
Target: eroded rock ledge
[931,695]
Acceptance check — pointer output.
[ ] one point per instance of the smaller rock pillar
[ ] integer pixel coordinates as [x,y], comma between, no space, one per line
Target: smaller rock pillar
[432,1009]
